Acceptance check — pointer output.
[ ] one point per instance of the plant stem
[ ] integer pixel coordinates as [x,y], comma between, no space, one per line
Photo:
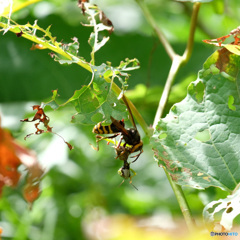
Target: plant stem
[160,35]
[177,62]
[182,202]
[135,112]
[24,5]
[188,51]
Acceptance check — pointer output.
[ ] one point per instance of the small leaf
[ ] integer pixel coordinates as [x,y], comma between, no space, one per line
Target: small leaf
[101,44]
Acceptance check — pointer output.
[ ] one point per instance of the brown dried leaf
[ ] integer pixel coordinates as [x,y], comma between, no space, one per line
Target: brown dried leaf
[106,21]
[42,118]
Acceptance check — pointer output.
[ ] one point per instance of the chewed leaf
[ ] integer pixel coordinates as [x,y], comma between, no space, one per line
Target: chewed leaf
[100,44]
[219,41]
[129,64]
[42,118]
[223,211]
[95,40]
[198,141]
[97,101]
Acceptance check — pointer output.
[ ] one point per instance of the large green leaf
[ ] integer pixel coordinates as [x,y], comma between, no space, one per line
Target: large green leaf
[199,140]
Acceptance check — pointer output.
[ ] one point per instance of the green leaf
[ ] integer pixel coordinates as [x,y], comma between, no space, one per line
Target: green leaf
[97,101]
[198,141]
[223,211]
[94,40]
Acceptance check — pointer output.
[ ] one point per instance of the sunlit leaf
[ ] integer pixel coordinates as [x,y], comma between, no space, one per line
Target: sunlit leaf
[198,141]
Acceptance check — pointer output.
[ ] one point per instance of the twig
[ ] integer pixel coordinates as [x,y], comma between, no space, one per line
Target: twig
[177,62]
[160,35]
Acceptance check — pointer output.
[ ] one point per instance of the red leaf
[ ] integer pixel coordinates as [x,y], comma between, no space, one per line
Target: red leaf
[12,155]
[31,192]
[9,161]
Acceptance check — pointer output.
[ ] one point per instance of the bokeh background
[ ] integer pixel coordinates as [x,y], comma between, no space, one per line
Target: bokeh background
[81,194]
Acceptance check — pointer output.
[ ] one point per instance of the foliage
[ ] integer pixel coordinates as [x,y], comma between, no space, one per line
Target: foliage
[188,143]
[196,142]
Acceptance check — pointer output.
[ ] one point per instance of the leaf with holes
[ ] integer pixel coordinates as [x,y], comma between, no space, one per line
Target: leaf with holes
[198,141]
[97,101]
[223,211]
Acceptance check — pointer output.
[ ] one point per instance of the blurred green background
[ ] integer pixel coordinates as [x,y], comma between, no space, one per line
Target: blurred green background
[81,197]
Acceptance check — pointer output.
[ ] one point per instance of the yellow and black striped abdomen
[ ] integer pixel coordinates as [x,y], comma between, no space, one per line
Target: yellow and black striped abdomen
[108,129]
[100,129]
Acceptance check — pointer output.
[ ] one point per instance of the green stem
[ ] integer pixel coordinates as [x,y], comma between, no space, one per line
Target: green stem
[177,62]
[135,112]
[95,40]
[182,202]
[188,51]
[160,35]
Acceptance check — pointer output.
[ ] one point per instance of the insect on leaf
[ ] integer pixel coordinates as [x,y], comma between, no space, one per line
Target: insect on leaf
[198,141]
